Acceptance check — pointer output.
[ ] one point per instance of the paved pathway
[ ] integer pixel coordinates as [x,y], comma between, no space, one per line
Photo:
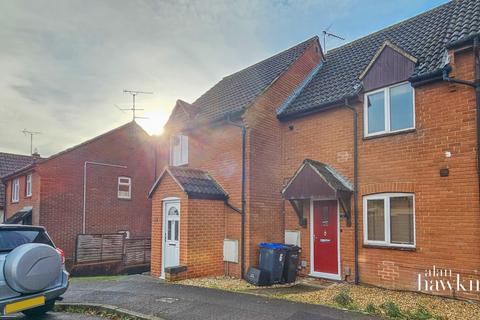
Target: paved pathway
[151,296]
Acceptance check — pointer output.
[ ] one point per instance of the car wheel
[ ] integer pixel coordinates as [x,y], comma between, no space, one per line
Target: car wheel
[38,311]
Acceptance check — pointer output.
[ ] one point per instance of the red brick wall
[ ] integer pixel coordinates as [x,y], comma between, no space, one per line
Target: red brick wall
[325,137]
[61,190]
[206,230]
[446,209]
[24,201]
[265,219]
[202,230]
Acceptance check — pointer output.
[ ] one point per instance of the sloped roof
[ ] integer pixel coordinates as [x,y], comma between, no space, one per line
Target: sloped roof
[331,176]
[237,91]
[10,163]
[197,184]
[425,37]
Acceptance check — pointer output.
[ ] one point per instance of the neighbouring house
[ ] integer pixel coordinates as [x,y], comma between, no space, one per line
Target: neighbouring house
[366,157]
[97,187]
[9,163]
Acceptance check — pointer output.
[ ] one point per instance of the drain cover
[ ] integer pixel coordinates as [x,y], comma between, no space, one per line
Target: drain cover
[167,299]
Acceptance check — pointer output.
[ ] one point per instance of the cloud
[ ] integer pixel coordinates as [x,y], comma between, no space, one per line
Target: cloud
[65,63]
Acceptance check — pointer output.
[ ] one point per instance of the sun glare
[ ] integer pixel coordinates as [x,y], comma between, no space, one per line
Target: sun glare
[155,122]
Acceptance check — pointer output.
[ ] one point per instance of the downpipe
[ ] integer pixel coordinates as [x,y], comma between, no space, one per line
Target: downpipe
[355,187]
[243,196]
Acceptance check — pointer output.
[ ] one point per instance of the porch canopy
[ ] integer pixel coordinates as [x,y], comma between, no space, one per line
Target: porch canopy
[318,181]
[23,216]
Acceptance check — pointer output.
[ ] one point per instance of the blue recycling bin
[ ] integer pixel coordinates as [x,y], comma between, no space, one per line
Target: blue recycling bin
[272,260]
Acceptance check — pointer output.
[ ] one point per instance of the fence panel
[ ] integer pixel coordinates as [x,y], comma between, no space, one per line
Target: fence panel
[137,251]
[99,247]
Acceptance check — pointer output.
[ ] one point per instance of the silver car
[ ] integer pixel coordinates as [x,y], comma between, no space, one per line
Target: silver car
[33,271]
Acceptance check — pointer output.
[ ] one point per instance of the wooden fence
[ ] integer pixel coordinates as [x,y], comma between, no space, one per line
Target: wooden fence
[137,251]
[94,248]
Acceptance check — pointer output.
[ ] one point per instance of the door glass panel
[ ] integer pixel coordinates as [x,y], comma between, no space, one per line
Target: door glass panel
[176,231]
[401,107]
[173,211]
[401,220]
[169,230]
[376,112]
[376,219]
[324,216]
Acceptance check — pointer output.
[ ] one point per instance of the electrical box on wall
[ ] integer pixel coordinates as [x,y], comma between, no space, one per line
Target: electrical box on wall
[230,250]
[292,237]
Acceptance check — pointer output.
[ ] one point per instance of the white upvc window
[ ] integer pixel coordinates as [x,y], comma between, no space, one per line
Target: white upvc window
[124,188]
[178,150]
[389,219]
[28,185]
[15,190]
[389,110]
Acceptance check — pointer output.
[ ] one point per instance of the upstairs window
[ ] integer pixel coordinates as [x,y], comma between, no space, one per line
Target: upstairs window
[178,150]
[389,219]
[15,190]
[124,188]
[389,110]
[28,185]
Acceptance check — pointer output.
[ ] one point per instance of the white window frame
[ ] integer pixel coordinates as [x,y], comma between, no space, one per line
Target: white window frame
[386,96]
[15,190]
[120,194]
[181,158]
[386,202]
[28,185]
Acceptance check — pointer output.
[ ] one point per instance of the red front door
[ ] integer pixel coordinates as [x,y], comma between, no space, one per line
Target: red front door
[325,236]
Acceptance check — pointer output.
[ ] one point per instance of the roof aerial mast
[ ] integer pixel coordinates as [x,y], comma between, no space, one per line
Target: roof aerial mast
[327,34]
[134,108]
[31,133]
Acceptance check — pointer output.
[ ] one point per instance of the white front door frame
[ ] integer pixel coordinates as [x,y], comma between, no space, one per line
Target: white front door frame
[313,273]
[169,200]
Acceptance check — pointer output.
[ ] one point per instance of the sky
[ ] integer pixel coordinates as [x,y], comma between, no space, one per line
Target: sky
[64,64]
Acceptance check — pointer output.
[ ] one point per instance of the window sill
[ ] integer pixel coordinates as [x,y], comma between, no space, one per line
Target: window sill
[124,199]
[373,246]
[388,134]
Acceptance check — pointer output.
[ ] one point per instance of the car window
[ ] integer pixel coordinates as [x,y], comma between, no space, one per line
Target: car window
[10,239]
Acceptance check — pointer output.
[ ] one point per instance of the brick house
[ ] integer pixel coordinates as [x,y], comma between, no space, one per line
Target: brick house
[99,186]
[9,163]
[366,157]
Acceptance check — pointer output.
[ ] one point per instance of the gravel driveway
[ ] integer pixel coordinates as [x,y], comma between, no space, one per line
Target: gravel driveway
[152,296]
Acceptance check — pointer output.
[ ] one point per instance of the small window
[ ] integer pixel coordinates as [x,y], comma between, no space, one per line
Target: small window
[15,190]
[389,110]
[124,188]
[178,150]
[389,219]
[28,185]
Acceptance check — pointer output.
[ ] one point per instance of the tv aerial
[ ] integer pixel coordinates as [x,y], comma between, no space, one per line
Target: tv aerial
[133,109]
[327,34]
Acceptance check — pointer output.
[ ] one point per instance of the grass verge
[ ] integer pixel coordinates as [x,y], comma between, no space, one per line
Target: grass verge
[97,278]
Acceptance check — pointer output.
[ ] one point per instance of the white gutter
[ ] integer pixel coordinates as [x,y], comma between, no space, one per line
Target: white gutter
[85,186]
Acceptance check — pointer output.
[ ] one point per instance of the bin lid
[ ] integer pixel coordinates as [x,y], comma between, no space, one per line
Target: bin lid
[271,245]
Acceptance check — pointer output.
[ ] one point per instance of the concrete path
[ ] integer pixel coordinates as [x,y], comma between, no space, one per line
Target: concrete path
[151,296]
